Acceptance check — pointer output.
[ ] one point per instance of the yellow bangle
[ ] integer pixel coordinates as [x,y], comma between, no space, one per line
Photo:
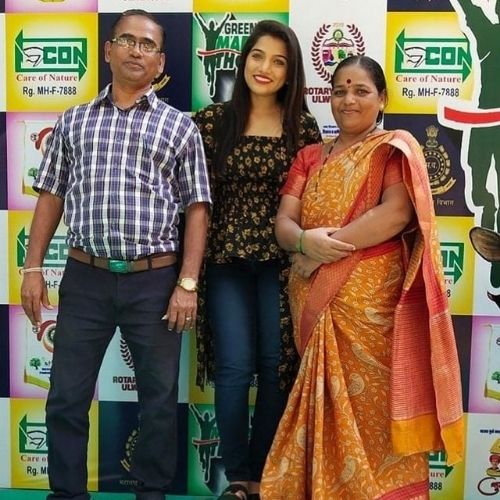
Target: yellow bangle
[22,271]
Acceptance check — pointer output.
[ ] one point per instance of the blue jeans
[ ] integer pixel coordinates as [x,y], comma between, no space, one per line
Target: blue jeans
[244,315]
[92,303]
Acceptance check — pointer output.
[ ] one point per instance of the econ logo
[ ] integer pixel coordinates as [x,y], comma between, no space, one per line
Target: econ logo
[444,58]
[55,257]
[32,436]
[452,254]
[51,55]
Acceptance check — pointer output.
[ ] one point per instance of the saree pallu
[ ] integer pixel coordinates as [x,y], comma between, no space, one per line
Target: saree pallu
[350,429]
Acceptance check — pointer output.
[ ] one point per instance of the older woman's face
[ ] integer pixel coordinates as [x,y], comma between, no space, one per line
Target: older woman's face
[355,100]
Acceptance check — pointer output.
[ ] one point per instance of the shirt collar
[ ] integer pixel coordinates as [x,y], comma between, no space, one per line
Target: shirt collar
[150,96]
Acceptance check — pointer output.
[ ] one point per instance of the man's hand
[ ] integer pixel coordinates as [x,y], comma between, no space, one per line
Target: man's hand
[33,295]
[181,312]
[48,212]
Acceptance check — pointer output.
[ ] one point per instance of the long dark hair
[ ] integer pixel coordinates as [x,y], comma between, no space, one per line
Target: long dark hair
[375,71]
[291,96]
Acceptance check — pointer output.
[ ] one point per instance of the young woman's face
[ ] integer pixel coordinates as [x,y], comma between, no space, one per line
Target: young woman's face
[266,66]
[355,100]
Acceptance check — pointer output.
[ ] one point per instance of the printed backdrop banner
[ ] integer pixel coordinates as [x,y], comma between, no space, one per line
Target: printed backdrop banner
[429,57]
[330,35]
[2,65]
[50,6]
[27,136]
[4,269]
[4,443]
[30,354]
[441,60]
[149,5]
[171,84]
[48,63]
[217,43]
[4,355]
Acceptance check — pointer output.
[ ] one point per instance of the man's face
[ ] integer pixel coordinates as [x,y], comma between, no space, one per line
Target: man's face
[133,66]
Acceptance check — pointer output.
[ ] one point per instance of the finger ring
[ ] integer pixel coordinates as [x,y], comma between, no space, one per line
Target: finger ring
[188,318]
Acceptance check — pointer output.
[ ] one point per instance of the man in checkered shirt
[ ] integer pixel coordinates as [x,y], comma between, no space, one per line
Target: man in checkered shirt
[120,168]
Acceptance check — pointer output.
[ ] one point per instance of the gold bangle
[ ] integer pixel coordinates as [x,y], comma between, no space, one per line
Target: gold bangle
[23,271]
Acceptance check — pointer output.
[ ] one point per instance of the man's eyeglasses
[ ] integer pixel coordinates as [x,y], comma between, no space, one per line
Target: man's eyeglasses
[145,47]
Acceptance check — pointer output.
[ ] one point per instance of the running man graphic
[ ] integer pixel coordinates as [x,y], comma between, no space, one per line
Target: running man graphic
[211,31]
[480,119]
[209,440]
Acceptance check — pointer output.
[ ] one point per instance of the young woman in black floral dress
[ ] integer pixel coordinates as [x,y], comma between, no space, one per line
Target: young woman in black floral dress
[243,324]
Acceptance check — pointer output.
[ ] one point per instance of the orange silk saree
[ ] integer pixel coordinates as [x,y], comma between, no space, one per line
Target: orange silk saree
[379,382]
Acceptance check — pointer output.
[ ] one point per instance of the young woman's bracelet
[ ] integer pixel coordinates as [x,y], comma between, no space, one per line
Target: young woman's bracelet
[23,271]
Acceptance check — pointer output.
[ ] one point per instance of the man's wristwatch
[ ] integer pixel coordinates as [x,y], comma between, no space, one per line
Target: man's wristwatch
[188,284]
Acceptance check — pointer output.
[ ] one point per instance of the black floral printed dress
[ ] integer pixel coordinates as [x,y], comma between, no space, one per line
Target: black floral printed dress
[245,203]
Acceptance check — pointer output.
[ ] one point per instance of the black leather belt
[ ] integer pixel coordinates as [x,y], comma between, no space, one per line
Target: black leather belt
[154,261]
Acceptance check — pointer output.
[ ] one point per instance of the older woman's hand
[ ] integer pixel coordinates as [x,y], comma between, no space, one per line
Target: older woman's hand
[319,245]
[303,265]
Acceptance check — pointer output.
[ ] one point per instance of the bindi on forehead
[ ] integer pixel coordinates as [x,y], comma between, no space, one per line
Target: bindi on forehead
[348,81]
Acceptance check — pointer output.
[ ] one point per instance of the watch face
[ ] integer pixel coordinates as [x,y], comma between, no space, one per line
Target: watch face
[188,284]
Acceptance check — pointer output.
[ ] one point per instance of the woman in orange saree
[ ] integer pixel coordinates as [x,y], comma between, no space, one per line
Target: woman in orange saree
[379,382]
